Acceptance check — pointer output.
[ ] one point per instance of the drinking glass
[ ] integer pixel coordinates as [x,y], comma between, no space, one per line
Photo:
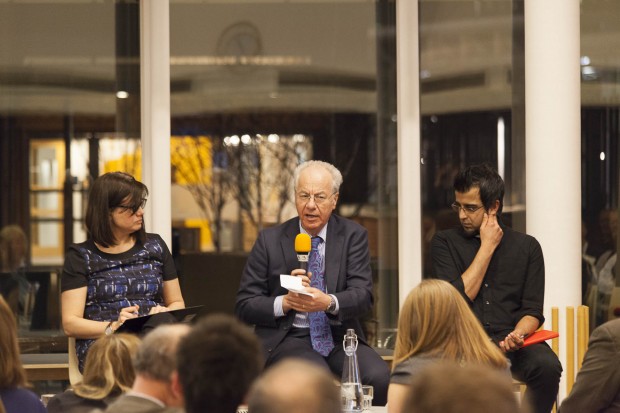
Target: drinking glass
[368,392]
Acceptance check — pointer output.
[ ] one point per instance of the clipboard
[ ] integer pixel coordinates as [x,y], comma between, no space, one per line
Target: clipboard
[182,315]
[539,336]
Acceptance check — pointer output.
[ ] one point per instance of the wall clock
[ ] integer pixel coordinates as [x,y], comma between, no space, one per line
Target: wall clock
[239,40]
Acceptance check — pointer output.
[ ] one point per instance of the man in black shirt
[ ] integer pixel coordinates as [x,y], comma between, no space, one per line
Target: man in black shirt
[501,273]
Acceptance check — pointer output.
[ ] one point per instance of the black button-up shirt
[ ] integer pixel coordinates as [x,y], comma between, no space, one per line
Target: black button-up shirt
[513,286]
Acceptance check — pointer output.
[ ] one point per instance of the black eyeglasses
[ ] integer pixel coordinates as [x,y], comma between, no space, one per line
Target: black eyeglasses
[133,208]
[468,209]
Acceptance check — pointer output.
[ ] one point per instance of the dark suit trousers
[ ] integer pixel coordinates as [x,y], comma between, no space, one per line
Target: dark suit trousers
[537,366]
[373,369]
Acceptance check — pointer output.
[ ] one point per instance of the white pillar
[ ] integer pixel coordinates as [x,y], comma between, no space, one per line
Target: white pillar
[553,149]
[409,180]
[155,102]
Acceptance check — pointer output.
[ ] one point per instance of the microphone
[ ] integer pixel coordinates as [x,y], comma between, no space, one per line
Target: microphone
[303,245]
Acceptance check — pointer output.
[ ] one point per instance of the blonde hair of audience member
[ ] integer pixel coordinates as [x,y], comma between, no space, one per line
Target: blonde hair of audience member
[13,247]
[294,385]
[12,373]
[435,320]
[108,369]
[448,387]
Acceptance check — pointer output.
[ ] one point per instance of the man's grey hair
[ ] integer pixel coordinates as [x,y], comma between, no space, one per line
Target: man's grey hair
[334,172]
[156,356]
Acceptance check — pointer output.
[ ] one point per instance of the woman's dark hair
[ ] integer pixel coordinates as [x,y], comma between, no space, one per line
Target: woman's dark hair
[110,191]
[486,179]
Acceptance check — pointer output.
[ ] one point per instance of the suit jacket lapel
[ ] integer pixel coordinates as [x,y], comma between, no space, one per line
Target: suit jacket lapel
[287,243]
[333,253]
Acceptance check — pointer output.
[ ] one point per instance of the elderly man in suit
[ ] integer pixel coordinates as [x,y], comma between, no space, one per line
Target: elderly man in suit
[338,277]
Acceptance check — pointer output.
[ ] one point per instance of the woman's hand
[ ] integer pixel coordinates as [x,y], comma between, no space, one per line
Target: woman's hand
[158,309]
[126,313]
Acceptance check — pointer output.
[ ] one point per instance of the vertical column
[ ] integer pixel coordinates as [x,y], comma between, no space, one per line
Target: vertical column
[409,185]
[553,175]
[155,101]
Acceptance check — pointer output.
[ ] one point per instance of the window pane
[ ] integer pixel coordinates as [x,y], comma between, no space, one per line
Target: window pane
[263,90]
[61,66]
[472,103]
[600,127]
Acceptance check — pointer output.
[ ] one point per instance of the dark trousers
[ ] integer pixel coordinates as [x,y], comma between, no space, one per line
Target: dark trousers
[373,369]
[539,367]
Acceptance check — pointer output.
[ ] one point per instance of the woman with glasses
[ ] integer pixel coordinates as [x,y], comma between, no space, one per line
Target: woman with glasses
[120,272]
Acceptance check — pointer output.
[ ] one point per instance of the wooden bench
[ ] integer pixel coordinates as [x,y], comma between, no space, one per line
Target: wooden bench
[41,367]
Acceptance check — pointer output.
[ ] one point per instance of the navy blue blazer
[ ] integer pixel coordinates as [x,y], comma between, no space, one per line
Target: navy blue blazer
[347,273]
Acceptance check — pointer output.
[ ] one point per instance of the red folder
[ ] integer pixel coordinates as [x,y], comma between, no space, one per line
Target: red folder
[539,336]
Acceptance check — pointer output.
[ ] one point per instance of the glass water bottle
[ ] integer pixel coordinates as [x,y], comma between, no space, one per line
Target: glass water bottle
[351,385]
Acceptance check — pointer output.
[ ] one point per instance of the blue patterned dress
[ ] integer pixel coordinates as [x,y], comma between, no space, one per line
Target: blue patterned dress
[115,281]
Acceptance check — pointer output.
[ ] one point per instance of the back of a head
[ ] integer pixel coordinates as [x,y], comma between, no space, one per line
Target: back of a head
[217,362]
[156,356]
[295,386]
[451,388]
[435,319]
[11,371]
[108,368]
[13,247]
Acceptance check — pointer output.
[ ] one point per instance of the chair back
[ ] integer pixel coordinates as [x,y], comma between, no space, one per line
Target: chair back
[573,358]
[74,372]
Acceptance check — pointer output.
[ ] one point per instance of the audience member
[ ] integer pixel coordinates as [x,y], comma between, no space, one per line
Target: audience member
[597,387]
[155,366]
[501,274]
[436,324]
[15,397]
[108,372]
[217,362]
[120,272]
[13,251]
[294,385]
[339,279]
[604,274]
[453,388]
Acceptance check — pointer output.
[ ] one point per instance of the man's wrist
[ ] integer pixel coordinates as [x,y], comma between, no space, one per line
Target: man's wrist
[331,307]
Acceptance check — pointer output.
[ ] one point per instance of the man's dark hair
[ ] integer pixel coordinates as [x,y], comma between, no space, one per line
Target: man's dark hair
[217,363]
[110,191]
[486,179]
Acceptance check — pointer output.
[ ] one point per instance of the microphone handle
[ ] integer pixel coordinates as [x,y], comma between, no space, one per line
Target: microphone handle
[303,261]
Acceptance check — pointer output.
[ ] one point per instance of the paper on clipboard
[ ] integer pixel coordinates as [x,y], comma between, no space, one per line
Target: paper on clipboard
[292,283]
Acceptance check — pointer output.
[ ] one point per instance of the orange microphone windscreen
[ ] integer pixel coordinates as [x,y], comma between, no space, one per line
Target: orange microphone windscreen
[303,243]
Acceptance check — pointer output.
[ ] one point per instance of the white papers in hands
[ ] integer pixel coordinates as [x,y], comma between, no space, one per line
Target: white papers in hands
[292,283]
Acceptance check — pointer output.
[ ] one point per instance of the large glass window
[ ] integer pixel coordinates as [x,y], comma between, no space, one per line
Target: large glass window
[256,88]
[472,103]
[600,128]
[69,87]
